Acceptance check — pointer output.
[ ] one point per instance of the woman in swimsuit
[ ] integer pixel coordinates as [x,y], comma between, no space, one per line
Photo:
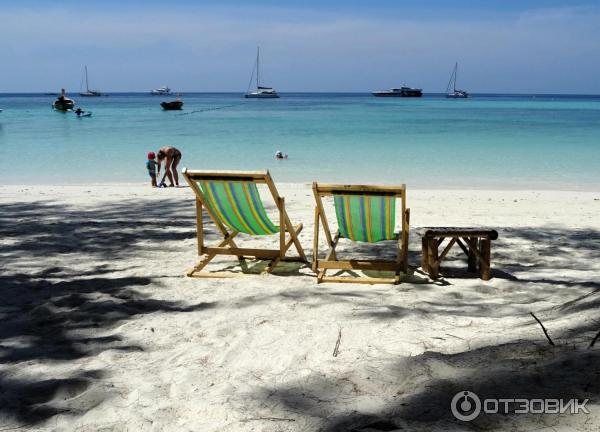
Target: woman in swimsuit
[172,156]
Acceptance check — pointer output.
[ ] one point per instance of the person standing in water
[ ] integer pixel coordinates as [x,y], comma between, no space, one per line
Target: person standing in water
[171,156]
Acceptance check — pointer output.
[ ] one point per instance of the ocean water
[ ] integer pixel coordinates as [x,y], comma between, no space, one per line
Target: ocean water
[488,141]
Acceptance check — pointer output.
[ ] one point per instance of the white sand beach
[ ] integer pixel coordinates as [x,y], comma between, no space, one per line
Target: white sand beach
[101,330]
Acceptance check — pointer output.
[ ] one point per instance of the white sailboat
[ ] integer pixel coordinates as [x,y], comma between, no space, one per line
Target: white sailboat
[87,91]
[261,92]
[455,93]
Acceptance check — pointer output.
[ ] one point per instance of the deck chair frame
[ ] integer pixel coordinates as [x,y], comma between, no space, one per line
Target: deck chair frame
[227,245]
[320,266]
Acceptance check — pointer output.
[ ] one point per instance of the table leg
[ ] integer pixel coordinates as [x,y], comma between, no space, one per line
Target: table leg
[472,259]
[433,264]
[485,251]
[424,255]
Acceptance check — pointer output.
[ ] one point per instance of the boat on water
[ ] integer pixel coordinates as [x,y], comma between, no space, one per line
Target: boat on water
[399,92]
[172,105]
[63,103]
[87,91]
[164,90]
[261,92]
[451,91]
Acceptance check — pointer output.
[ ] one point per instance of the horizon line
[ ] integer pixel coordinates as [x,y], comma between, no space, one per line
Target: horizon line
[365,92]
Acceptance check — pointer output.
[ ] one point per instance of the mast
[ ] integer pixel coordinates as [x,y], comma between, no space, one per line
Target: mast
[87,87]
[450,81]
[257,66]
[455,74]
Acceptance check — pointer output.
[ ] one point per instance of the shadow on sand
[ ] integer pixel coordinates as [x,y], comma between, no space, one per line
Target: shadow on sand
[58,313]
[553,265]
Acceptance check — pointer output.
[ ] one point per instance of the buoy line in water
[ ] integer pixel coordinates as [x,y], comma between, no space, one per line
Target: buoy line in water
[209,109]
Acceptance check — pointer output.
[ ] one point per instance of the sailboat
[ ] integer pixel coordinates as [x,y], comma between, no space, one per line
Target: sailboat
[261,91]
[455,93]
[89,92]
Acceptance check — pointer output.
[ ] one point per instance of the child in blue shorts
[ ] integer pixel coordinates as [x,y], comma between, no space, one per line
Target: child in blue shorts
[151,166]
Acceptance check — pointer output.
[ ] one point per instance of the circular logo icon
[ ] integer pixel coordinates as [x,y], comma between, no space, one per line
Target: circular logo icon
[465,406]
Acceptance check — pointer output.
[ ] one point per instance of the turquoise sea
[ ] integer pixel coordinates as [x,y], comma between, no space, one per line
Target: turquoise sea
[488,141]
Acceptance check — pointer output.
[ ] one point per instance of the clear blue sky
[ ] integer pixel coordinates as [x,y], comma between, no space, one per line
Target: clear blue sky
[534,46]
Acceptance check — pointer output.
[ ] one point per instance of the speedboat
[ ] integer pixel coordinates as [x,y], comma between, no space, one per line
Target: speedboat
[399,92]
[172,105]
[164,90]
[63,103]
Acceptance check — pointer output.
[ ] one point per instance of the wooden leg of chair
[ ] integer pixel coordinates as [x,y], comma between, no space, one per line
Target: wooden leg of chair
[208,258]
[315,256]
[433,264]
[320,276]
[424,254]
[485,250]
[472,258]
[203,263]
[271,266]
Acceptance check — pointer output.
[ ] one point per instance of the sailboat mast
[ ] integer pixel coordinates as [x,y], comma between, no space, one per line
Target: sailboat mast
[87,87]
[455,74]
[257,66]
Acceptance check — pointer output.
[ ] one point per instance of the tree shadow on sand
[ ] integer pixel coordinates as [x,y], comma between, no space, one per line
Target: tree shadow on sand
[552,272]
[53,315]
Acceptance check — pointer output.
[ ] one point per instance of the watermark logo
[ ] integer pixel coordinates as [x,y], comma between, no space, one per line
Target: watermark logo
[467,406]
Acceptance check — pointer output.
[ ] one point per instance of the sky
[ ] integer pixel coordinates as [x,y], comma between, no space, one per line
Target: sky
[502,46]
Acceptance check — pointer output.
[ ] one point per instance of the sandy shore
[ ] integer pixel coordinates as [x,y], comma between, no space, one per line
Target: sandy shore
[101,331]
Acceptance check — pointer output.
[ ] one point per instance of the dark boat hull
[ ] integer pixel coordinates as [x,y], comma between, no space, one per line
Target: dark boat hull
[63,105]
[171,106]
[403,93]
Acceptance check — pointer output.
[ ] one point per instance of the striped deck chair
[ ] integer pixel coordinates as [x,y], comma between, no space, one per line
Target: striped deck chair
[232,201]
[364,214]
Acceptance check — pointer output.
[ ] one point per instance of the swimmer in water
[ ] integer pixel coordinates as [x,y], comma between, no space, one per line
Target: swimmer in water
[280,155]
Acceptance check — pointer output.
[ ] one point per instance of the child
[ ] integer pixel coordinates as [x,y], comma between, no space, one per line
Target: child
[151,165]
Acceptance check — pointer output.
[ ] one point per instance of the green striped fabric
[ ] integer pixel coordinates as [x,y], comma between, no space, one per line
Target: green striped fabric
[238,205]
[366,218]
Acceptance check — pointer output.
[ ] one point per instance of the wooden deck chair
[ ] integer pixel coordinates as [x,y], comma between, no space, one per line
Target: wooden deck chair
[233,203]
[365,214]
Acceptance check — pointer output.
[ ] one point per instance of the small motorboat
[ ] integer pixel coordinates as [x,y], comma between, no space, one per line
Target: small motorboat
[172,105]
[63,103]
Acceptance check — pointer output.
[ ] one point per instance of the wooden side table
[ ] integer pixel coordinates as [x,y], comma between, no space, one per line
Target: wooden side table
[476,243]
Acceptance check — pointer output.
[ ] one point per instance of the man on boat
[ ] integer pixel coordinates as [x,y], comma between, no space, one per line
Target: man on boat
[172,156]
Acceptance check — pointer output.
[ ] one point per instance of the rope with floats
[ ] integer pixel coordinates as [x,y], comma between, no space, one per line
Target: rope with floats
[209,109]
